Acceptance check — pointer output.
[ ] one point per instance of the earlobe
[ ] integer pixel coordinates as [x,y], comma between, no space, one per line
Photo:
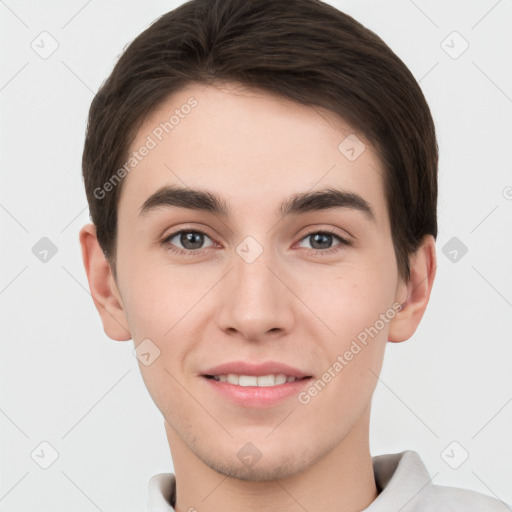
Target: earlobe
[103,288]
[423,265]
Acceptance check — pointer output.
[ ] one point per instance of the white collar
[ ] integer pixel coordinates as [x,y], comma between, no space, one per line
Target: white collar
[399,478]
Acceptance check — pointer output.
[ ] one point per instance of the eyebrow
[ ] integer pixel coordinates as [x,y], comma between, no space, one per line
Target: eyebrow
[203,200]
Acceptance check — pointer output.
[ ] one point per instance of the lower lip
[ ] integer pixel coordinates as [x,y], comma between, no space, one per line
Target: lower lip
[255,396]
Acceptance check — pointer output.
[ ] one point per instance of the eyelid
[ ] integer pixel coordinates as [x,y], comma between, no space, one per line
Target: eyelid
[349,240]
[165,239]
[173,231]
[169,235]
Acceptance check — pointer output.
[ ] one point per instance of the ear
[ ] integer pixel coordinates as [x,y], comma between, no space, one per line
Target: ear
[103,287]
[415,294]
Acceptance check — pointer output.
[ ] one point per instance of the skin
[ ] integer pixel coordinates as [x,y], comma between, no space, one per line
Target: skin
[293,304]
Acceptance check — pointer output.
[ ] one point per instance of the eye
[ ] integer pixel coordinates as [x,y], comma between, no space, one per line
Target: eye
[190,241]
[321,241]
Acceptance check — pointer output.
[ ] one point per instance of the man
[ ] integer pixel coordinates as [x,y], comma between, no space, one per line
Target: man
[262,181]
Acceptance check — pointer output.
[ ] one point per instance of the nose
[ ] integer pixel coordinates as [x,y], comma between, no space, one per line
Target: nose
[256,302]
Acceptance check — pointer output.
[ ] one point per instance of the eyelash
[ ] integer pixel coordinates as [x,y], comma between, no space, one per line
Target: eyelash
[195,252]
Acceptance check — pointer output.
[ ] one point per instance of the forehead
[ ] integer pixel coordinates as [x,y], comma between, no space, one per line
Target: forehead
[251,148]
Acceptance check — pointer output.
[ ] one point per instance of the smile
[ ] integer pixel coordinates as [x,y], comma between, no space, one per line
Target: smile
[253,380]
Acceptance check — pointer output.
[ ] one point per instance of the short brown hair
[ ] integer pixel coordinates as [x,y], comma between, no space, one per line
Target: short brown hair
[302,50]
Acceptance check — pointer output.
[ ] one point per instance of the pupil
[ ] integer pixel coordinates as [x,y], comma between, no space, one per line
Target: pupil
[320,238]
[191,240]
[194,240]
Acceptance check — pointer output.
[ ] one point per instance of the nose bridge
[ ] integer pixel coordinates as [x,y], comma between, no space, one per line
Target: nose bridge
[255,300]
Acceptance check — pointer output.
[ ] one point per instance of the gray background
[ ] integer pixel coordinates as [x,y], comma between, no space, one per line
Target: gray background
[444,393]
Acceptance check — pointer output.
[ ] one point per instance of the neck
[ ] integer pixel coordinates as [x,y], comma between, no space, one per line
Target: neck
[341,481]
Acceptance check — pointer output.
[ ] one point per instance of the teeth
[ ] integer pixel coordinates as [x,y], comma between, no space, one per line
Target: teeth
[264,380]
[251,380]
[232,379]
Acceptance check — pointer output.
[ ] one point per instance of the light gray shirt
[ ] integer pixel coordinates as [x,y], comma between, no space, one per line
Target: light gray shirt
[402,480]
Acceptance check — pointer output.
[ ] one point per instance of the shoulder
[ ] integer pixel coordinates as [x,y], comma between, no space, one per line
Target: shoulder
[405,484]
[453,499]
[161,493]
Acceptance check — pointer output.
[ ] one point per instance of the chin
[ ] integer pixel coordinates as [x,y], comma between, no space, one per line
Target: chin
[266,468]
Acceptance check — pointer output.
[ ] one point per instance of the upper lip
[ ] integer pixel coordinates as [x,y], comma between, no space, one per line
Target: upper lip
[258,370]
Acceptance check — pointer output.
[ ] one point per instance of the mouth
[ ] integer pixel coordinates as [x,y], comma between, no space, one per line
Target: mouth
[253,384]
[261,381]
[255,391]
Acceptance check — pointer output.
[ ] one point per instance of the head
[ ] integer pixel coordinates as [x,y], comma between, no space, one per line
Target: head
[262,183]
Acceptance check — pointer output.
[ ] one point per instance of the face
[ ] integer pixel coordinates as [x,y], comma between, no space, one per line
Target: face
[259,279]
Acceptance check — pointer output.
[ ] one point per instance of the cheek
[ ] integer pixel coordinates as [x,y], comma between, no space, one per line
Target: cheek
[145,308]
[156,298]
[158,308]
[356,312]
[348,299]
